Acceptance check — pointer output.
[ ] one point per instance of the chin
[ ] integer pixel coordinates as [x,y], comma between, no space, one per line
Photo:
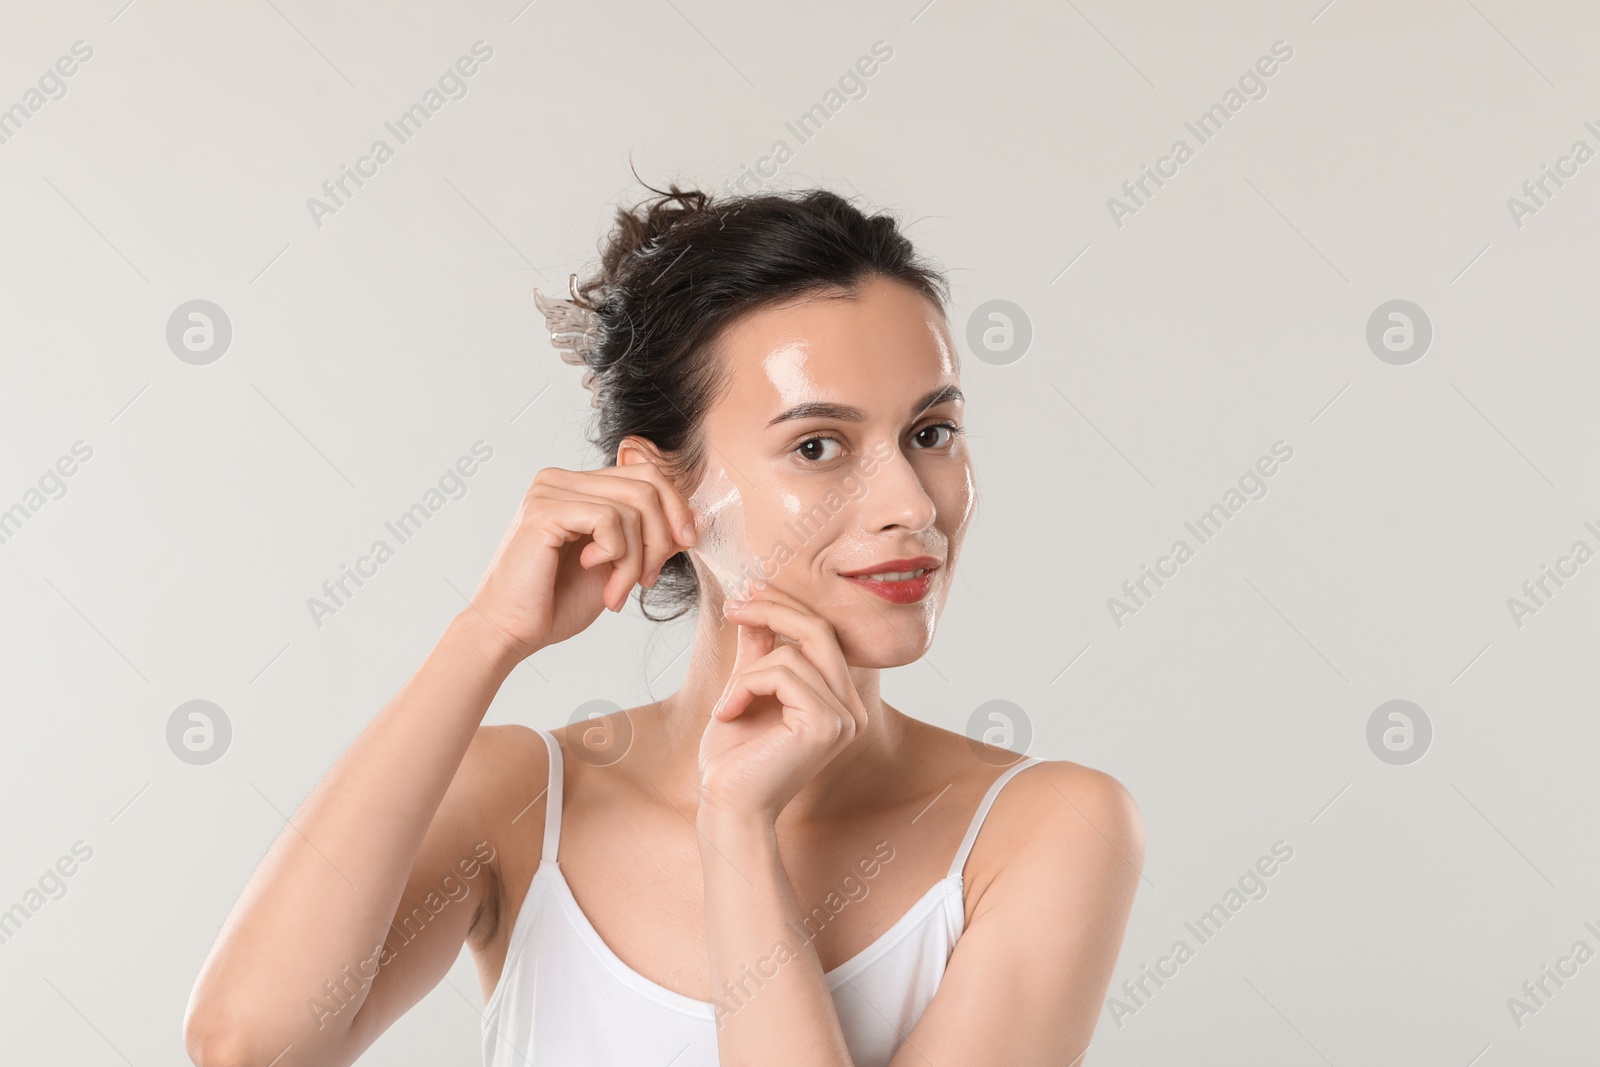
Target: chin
[877,645]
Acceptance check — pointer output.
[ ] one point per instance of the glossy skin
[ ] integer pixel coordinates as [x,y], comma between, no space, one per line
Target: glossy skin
[737,822]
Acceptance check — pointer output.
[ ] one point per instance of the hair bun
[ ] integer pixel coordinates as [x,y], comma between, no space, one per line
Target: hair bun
[578,326]
[643,231]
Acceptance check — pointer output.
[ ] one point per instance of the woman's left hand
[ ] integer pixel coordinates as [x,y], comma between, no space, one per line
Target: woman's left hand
[787,710]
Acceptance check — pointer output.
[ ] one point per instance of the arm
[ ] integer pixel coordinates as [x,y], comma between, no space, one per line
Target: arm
[298,960]
[350,918]
[1027,979]
[786,712]
[784,1015]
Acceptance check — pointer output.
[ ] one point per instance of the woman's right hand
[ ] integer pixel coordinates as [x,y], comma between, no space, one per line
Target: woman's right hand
[580,542]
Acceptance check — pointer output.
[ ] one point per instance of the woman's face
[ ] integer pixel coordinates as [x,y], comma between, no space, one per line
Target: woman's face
[837,450]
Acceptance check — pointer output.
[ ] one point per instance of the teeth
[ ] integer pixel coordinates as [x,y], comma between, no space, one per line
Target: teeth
[896,576]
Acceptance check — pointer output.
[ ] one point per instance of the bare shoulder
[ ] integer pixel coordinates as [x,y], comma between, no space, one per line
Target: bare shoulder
[500,765]
[1060,828]
[1052,878]
[1047,804]
[1068,802]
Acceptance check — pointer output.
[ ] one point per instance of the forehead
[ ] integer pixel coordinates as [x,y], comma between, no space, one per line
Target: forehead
[886,343]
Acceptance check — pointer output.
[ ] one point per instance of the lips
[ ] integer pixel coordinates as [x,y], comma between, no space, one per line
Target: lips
[899,581]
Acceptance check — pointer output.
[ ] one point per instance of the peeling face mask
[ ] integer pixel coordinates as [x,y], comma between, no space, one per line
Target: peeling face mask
[723,545]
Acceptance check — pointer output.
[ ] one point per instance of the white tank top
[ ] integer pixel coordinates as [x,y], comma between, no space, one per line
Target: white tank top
[566,1000]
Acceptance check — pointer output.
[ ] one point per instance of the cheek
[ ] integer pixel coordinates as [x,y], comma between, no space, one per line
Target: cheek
[765,518]
[791,526]
[781,533]
[955,494]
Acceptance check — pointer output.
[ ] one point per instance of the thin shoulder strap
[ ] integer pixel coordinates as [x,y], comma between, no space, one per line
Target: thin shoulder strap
[552,803]
[983,811]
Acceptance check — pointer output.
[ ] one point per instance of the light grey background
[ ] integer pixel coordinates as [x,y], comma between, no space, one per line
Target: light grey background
[1168,354]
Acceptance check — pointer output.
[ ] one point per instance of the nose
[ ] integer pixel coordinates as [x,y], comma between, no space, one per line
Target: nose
[896,498]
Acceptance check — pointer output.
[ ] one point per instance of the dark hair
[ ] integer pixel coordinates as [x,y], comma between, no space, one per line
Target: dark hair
[679,268]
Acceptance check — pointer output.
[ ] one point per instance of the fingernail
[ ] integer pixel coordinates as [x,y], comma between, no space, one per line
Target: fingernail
[650,579]
[688,534]
[732,605]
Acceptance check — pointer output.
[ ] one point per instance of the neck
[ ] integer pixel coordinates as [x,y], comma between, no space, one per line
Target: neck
[845,782]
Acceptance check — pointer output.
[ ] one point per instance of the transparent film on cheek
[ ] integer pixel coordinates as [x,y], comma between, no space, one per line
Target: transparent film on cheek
[723,543]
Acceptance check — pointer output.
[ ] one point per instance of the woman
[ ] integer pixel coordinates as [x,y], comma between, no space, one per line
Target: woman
[777,865]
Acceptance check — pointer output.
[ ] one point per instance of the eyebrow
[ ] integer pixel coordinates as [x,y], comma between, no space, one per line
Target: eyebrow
[846,413]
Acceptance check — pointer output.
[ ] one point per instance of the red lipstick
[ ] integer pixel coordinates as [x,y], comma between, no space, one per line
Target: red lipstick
[901,590]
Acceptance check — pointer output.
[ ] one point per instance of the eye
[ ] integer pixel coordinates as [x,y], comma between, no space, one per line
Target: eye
[953,430]
[812,446]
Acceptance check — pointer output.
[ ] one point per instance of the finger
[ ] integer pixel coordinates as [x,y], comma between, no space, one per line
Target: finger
[629,570]
[641,491]
[649,541]
[647,488]
[576,517]
[676,510]
[806,709]
[791,658]
[571,523]
[626,555]
[727,708]
[754,642]
[810,632]
[751,644]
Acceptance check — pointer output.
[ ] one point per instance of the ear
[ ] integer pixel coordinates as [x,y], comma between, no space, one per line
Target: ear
[636,449]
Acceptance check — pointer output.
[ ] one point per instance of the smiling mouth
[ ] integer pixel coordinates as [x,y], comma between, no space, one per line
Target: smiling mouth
[892,576]
[897,586]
